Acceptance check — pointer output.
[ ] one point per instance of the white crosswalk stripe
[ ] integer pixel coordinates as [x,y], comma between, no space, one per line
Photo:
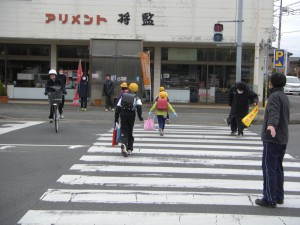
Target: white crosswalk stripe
[191,166]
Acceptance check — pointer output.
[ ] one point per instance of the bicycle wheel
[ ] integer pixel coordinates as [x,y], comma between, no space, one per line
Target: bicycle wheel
[55,117]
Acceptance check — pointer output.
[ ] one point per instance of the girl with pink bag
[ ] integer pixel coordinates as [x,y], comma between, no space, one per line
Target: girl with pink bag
[162,106]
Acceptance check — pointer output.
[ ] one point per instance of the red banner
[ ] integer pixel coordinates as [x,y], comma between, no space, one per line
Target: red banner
[79,75]
[145,63]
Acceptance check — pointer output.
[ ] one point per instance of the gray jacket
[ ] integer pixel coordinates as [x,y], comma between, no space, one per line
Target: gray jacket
[277,114]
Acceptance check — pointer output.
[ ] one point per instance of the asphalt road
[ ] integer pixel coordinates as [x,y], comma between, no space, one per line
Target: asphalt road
[34,157]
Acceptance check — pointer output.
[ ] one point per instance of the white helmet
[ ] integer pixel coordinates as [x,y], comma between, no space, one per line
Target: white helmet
[52,71]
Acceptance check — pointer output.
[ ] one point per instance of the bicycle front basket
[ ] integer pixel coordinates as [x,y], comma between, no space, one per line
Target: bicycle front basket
[55,97]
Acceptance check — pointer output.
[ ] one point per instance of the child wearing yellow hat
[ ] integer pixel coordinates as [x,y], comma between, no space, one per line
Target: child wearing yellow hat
[124,88]
[161,107]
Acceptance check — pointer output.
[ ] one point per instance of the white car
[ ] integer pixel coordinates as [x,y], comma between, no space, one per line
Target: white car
[292,85]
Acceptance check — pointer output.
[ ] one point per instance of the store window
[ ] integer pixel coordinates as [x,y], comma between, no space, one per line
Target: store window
[28,73]
[68,57]
[21,70]
[28,50]
[209,77]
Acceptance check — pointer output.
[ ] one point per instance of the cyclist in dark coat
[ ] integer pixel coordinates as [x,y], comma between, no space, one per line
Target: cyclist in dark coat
[240,96]
[53,81]
[83,91]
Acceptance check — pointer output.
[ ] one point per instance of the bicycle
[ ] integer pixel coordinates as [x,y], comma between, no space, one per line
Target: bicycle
[55,98]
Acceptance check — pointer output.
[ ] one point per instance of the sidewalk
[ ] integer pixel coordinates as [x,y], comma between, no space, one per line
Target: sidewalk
[187,113]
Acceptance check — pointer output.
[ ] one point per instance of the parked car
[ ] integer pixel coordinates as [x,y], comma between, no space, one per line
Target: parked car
[292,85]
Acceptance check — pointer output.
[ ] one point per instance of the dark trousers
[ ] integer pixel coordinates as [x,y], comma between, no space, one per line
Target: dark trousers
[161,121]
[51,111]
[127,124]
[273,172]
[83,102]
[61,106]
[236,125]
[109,101]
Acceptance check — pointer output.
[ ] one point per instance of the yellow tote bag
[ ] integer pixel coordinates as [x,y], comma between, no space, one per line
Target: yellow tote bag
[247,120]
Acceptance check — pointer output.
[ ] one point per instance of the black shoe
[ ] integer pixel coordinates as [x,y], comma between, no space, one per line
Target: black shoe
[262,202]
[233,133]
[280,202]
[124,150]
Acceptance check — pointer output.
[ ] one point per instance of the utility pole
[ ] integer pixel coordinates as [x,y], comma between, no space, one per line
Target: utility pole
[279,28]
[239,42]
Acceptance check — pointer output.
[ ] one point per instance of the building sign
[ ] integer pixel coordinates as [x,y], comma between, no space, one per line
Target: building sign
[124,18]
[279,58]
[147,19]
[75,19]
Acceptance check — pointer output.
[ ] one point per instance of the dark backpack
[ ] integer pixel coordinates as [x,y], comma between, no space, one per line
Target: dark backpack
[162,104]
[127,102]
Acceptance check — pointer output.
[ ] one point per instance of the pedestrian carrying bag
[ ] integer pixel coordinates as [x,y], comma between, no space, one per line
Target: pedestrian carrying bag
[162,104]
[149,124]
[247,120]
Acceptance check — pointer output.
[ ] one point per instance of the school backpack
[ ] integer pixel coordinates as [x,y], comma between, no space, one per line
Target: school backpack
[162,104]
[128,101]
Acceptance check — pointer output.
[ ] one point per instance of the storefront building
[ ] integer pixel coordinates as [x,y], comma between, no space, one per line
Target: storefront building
[107,36]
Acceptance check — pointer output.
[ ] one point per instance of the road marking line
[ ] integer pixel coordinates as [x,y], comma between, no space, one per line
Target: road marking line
[169,182]
[148,218]
[186,146]
[159,197]
[202,152]
[8,127]
[150,170]
[165,139]
[188,136]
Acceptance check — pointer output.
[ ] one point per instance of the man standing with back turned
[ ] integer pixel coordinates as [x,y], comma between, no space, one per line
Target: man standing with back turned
[275,138]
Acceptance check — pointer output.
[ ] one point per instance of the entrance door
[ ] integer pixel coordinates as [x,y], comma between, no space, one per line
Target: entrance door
[202,76]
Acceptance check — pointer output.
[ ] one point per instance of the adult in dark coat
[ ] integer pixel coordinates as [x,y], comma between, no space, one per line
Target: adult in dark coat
[275,136]
[83,91]
[240,96]
[108,92]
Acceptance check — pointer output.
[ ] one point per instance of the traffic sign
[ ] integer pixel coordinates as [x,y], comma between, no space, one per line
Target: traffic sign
[279,58]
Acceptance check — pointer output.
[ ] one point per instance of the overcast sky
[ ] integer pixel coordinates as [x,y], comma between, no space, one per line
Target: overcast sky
[290,27]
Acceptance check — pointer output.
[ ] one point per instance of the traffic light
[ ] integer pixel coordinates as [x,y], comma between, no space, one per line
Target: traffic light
[218,32]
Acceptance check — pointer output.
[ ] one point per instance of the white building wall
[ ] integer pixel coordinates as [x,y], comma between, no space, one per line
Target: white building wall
[174,20]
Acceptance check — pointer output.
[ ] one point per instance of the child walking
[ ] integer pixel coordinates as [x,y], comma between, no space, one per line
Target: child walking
[83,91]
[127,107]
[162,106]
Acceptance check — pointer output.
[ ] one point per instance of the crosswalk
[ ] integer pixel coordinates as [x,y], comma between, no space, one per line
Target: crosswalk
[191,175]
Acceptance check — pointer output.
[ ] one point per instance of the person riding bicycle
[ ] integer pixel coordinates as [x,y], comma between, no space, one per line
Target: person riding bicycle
[51,83]
[64,79]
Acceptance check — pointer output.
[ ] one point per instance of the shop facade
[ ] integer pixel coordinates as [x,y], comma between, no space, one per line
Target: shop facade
[108,36]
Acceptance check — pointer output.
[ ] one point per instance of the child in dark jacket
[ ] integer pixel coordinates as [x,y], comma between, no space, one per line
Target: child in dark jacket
[83,91]
[127,107]
[52,85]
